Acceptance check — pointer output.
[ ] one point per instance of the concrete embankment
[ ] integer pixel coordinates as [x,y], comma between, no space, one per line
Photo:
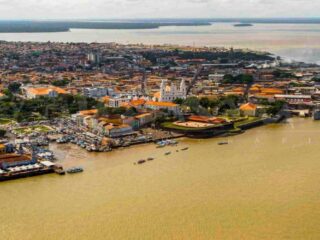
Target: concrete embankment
[251,124]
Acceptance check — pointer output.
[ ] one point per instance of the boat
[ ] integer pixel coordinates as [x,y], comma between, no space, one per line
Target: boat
[150,159]
[184,149]
[168,142]
[167,153]
[223,143]
[75,170]
[60,171]
[141,161]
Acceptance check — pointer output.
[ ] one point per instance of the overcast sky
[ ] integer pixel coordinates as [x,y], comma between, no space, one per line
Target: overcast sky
[65,9]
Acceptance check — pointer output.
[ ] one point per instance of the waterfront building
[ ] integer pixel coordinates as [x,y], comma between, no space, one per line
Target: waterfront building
[248,109]
[118,130]
[145,118]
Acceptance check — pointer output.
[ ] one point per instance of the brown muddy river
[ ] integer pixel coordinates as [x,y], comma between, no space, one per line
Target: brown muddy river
[264,185]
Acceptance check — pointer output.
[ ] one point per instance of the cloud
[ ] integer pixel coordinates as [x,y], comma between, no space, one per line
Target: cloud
[68,9]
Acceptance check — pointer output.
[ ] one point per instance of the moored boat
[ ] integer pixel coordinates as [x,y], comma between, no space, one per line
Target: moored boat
[141,161]
[75,170]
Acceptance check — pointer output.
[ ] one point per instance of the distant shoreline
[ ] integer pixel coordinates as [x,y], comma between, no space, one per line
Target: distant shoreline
[57,26]
[48,26]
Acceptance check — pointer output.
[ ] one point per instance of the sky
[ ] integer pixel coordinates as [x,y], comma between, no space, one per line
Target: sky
[91,9]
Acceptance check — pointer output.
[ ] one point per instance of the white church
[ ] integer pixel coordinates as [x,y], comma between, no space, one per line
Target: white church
[170,93]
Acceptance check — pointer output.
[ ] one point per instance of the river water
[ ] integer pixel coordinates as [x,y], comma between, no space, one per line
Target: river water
[263,185]
[291,41]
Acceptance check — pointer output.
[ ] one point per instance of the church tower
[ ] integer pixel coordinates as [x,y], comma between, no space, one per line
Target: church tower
[183,89]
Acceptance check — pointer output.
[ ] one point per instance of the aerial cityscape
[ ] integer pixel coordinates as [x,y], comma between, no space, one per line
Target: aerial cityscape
[158,123]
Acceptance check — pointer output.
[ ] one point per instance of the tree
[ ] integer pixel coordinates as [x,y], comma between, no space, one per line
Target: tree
[14,87]
[2,133]
[276,107]
[228,78]
[228,102]
[60,83]
[193,103]
[178,101]
[246,79]
[205,102]
[241,79]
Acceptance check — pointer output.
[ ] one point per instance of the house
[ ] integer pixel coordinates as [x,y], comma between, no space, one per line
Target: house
[117,102]
[145,118]
[84,117]
[168,106]
[295,99]
[248,109]
[51,91]
[118,130]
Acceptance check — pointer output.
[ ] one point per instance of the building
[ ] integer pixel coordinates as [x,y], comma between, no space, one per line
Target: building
[97,92]
[117,102]
[170,93]
[248,109]
[216,77]
[168,106]
[94,58]
[50,91]
[145,118]
[118,130]
[295,99]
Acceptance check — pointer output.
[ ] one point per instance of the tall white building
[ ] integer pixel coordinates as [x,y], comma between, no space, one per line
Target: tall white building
[170,93]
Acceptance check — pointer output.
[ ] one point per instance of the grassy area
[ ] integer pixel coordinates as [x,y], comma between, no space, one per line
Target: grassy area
[31,129]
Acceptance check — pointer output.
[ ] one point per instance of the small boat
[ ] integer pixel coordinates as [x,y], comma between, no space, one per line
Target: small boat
[150,159]
[223,143]
[60,171]
[75,170]
[184,149]
[167,153]
[141,161]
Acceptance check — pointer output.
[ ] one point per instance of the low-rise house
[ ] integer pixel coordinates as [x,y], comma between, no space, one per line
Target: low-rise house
[145,118]
[117,102]
[168,106]
[248,109]
[118,130]
[295,99]
[82,117]
[51,91]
